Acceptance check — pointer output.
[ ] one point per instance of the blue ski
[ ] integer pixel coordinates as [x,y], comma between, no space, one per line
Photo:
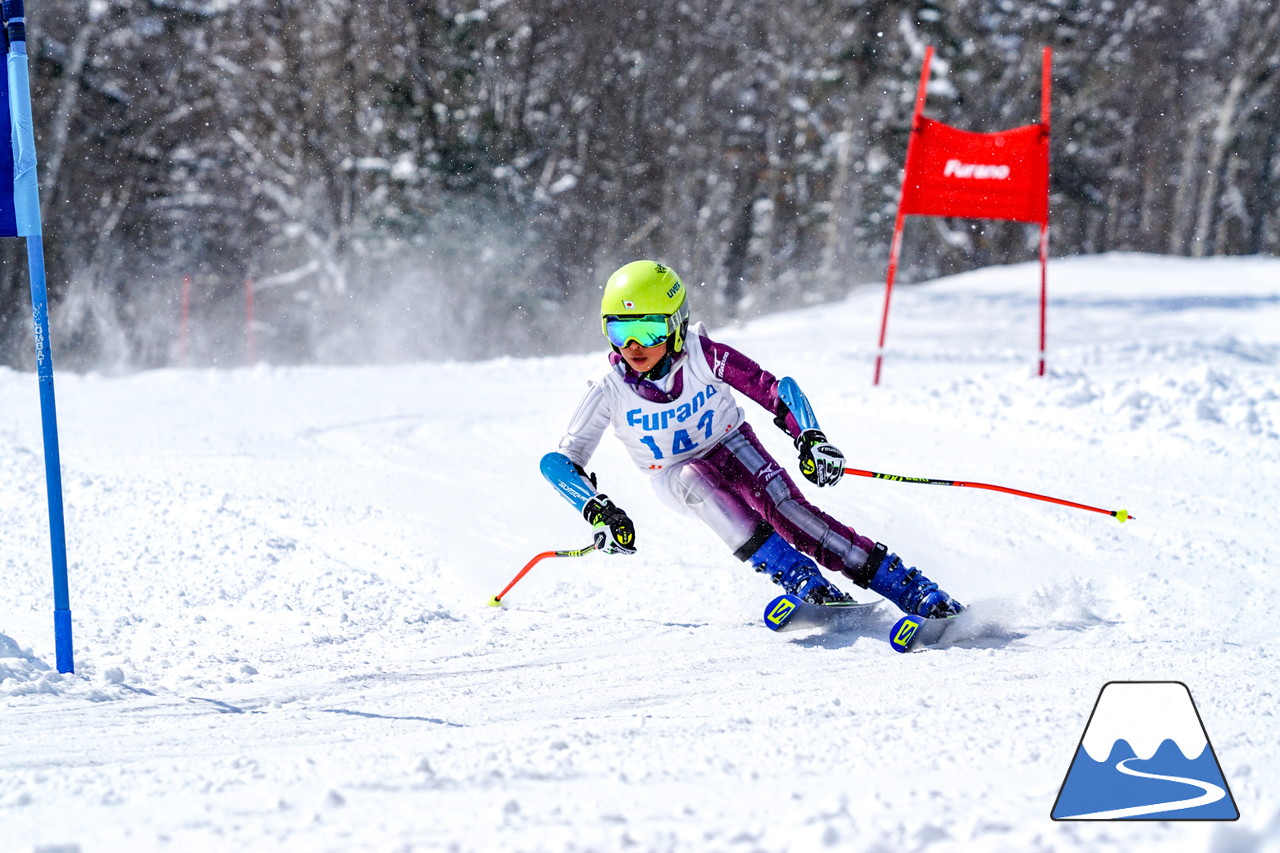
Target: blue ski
[787,612]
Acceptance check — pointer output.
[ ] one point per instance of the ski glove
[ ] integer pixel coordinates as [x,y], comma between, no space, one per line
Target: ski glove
[613,531]
[821,463]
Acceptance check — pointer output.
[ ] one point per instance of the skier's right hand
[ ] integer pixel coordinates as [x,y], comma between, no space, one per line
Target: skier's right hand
[613,531]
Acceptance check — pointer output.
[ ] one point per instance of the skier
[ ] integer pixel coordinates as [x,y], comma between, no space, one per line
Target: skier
[668,392]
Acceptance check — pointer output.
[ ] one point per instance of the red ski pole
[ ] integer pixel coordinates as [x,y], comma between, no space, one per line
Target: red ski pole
[496,601]
[1119,514]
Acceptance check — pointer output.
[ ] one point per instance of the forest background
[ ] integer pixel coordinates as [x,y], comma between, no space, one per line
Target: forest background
[432,179]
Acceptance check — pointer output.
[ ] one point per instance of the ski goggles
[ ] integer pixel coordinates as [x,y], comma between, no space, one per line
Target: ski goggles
[648,331]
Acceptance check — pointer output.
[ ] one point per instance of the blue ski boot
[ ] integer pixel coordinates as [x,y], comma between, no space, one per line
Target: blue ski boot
[909,589]
[794,572]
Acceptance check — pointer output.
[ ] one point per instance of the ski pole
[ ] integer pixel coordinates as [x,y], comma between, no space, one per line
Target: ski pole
[496,601]
[1119,514]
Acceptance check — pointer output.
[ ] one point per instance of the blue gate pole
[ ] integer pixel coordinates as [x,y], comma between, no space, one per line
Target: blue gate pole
[26,203]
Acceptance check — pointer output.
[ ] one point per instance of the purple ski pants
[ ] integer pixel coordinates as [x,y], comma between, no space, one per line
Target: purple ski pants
[737,485]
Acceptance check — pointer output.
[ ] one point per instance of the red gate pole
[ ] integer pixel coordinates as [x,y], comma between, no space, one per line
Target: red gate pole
[184,331]
[251,355]
[1044,289]
[1045,84]
[896,246]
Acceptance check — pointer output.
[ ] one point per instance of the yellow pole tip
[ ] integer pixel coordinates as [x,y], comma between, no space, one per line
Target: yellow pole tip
[1122,515]
[495,602]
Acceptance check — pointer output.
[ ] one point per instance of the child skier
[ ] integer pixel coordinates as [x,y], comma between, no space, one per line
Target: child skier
[668,395]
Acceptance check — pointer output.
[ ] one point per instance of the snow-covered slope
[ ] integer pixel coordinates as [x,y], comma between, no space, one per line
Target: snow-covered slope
[279,580]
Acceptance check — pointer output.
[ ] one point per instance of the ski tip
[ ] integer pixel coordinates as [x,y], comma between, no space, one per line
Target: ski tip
[779,611]
[495,602]
[904,632]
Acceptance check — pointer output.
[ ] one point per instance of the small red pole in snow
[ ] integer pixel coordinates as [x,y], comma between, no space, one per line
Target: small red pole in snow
[1046,84]
[251,354]
[184,331]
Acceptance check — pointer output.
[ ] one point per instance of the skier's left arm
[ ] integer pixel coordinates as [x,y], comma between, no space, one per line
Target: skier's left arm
[820,462]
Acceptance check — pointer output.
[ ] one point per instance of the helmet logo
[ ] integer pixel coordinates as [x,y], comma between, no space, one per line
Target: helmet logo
[659,269]
[675,288]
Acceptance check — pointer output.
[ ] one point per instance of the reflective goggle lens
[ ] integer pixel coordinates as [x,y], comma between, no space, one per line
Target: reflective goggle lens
[647,331]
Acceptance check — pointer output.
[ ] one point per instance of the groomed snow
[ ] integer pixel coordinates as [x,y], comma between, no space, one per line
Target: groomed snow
[279,581]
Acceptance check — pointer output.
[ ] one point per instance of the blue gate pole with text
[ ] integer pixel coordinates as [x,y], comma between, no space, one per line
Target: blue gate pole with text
[26,202]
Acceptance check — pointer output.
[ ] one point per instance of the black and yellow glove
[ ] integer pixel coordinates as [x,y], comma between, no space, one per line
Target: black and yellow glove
[820,463]
[613,531]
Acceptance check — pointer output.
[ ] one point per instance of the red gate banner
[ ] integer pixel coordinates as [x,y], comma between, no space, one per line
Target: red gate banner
[953,172]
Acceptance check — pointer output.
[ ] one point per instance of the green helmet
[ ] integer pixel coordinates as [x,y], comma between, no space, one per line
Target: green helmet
[646,302]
